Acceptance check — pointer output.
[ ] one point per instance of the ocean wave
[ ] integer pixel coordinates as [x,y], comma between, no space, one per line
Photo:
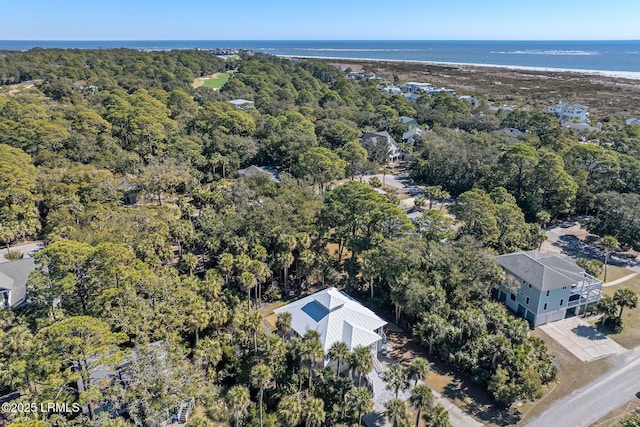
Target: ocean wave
[548,52]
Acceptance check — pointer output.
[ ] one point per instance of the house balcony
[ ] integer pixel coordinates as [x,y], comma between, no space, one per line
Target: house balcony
[586,293]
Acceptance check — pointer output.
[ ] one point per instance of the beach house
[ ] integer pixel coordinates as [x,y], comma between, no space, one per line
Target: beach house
[573,112]
[336,317]
[543,287]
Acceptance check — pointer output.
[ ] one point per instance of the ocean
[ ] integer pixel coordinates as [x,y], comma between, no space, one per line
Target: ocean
[620,56]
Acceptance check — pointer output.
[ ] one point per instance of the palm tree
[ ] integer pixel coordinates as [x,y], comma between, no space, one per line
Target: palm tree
[339,351]
[238,400]
[254,325]
[437,417]
[260,378]
[225,264]
[247,281]
[290,410]
[283,323]
[606,306]
[397,378]
[314,412]
[396,412]
[288,243]
[421,398]
[312,351]
[359,401]
[362,361]
[430,329]
[610,244]
[419,369]
[444,195]
[432,192]
[625,298]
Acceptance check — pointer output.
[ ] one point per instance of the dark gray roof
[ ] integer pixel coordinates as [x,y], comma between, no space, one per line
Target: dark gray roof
[14,275]
[254,170]
[578,126]
[411,133]
[381,134]
[543,271]
[406,120]
[511,131]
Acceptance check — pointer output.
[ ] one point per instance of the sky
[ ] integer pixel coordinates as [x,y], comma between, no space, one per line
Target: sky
[320,20]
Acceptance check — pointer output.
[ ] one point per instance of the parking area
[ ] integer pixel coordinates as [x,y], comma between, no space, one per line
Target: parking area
[581,339]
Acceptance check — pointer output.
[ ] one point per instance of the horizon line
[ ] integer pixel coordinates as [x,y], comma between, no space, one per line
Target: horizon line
[316,39]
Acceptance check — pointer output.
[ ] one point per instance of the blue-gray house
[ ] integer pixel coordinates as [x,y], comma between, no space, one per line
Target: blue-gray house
[544,287]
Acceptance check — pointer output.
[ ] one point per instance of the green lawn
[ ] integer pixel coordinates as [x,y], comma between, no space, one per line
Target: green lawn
[615,272]
[630,335]
[216,82]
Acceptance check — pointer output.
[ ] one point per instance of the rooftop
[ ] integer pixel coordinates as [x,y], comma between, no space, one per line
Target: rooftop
[544,271]
[336,317]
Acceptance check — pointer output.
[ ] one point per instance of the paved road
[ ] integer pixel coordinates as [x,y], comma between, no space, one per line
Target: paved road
[27,250]
[586,405]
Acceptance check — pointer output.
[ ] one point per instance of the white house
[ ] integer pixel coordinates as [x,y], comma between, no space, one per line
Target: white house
[416,87]
[241,103]
[336,317]
[13,281]
[394,152]
[565,112]
[631,121]
[543,288]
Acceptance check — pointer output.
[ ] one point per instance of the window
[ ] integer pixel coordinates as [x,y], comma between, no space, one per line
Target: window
[545,306]
[547,293]
[529,285]
[561,302]
[527,301]
[513,297]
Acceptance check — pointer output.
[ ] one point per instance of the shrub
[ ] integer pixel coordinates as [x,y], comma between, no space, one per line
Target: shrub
[13,255]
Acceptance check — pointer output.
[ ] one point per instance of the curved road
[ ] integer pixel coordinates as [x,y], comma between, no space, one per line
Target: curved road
[588,404]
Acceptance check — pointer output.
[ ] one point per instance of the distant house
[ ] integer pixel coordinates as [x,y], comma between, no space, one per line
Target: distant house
[543,288]
[574,112]
[392,90]
[130,192]
[468,99]
[336,317]
[631,121]
[511,132]
[579,127]
[416,87]
[254,170]
[410,122]
[412,134]
[242,104]
[371,138]
[13,281]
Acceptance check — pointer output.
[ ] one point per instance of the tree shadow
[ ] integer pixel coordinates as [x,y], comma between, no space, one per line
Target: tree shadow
[589,332]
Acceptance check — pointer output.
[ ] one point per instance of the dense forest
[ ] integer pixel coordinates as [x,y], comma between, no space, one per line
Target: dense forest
[173,283]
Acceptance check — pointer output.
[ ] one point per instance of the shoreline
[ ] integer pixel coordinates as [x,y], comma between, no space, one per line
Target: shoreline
[629,75]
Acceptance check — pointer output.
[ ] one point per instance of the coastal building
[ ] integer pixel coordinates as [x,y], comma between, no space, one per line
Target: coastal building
[410,122]
[631,121]
[392,90]
[374,140]
[573,112]
[511,132]
[241,104]
[416,87]
[543,288]
[412,135]
[254,170]
[336,317]
[13,281]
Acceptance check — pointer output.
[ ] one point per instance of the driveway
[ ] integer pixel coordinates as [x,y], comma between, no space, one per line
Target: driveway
[581,339]
[28,250]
